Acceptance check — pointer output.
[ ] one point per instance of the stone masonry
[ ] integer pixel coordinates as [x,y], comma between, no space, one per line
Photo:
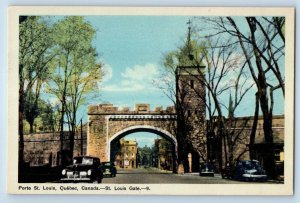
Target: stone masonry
[44,148]
[107,123]
[190,105]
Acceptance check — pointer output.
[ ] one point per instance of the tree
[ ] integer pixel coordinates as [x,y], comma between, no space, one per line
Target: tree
[34,57]
[225,73]
[262,44]
[83,81]
[262,84]
[74,71]
[48,117]
[32,100]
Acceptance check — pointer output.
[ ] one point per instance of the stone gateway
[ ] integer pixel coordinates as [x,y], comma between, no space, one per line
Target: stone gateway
[108,124]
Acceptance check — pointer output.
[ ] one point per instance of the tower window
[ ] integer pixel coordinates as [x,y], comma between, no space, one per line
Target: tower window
[192,83]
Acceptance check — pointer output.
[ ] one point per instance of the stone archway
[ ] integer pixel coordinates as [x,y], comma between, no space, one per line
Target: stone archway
[142,128]
[107,123]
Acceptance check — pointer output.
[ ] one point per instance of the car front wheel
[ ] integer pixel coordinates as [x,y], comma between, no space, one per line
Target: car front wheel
[97,180]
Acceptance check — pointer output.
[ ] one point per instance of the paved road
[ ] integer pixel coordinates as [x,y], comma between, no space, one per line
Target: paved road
[153,175]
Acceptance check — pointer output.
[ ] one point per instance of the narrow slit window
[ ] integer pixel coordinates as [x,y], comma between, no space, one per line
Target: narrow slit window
[192,83]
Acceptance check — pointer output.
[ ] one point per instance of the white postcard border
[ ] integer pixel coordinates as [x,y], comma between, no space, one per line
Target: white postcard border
[13,186]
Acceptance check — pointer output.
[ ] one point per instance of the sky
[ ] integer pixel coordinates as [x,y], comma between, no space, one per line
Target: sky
[131,49]
[143,138]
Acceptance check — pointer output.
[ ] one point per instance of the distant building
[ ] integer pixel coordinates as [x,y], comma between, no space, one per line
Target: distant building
[126,157]
[145,156]
[163,154]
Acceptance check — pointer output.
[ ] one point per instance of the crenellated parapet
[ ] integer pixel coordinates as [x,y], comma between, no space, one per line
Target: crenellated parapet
[144,109]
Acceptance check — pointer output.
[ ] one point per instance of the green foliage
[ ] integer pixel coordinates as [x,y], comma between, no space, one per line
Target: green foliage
[56,58]
[74,71]
[48,118]
[75,67]
[34,50]
[190,54]
[34,56]
[45,119]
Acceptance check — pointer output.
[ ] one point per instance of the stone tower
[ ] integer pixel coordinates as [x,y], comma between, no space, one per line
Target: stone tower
[190,108]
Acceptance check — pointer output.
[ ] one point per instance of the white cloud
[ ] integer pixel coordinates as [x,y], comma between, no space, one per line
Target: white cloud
[141,73]
[127,88]
[165,81]
[107,73]
[137,78]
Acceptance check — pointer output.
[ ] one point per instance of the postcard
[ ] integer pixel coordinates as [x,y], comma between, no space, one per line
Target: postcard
[151,100]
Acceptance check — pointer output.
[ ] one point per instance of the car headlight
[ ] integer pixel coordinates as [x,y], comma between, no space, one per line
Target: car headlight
[64,172]
[89,172]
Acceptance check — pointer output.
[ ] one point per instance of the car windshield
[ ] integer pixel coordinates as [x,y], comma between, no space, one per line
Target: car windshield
[107,164]
[206,166]
[83,160]
[250,165]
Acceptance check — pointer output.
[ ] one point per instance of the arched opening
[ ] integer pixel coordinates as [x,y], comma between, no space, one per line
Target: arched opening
[131,153]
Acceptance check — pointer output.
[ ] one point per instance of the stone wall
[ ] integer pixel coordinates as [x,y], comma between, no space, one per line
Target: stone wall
[44,148]
[39,147]
[240,131]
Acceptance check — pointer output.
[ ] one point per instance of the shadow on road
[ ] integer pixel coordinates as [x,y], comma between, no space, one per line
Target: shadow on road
[150,170]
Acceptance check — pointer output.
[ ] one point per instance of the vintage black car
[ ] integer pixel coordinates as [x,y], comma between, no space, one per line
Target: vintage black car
[108,168]
[245,170]
[84,168]
[206,169]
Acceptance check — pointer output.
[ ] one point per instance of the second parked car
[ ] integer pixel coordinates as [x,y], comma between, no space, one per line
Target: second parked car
[207,169]
[108,168]
[247,170]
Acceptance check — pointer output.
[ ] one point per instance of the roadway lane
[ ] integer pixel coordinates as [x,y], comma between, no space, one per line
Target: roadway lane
[155,176]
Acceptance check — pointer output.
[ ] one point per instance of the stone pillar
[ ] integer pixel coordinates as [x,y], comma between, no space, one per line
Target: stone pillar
[96,137]
[190,162]
[158,162]
[180,169]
